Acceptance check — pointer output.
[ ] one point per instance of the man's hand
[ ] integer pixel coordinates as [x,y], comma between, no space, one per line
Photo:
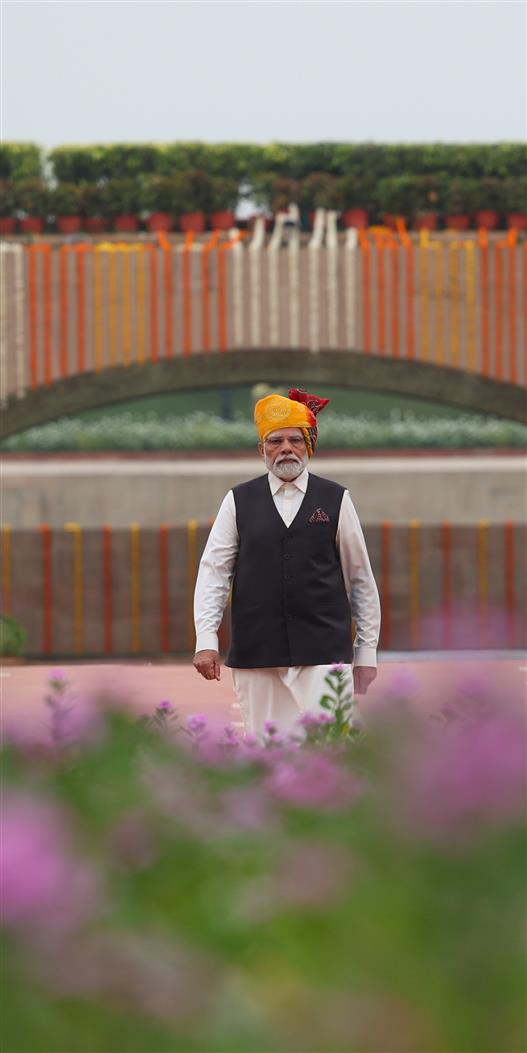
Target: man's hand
[363,676]
[208,664]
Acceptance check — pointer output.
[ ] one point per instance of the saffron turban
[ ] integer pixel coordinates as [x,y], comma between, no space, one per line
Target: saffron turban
[298,411]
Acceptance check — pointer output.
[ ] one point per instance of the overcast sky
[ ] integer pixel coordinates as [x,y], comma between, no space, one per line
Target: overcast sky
[258,70]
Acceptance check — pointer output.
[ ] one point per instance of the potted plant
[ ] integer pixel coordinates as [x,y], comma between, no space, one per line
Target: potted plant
[426,202]
[94,207]
[12,640]
[161,202]
[515,202]
[354,191]
[8,207]
[394,199]
[458,195]
[487,203]
[32,205]
[65,205]
[124,204]
[274,192]
[318,190]
[224,195]
[195,190]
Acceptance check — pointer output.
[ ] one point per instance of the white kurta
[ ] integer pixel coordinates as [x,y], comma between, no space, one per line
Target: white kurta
[278,694]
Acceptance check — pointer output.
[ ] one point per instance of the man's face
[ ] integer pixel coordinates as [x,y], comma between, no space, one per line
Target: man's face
[284,452]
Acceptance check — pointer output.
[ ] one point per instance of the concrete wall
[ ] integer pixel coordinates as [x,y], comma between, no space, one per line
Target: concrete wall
[461,488]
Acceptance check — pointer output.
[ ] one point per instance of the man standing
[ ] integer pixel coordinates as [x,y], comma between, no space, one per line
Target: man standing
[292,546]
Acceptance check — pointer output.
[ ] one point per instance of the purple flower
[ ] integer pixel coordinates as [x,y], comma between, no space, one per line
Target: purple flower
[165,706]
[312,780]
[197,723]
[338,667]
[43,885]
[270,727]
[230,733]
[58,678]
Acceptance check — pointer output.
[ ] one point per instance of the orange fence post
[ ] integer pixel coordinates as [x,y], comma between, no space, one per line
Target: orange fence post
[484,300]
[164,615]
[510,598]
[410,334]
[107,587]
[64,310]
[498,275]
[135,586]
[187,295]
[154,353]
[394,290]
[414,582]
[78,590]
[47,589]
[511,304]
[81,310]
[167,287]
[483,579]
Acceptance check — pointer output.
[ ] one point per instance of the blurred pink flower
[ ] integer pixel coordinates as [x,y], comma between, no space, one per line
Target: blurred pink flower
[165,706]
[471,773]
[197,723]
[312,780]
[42,883]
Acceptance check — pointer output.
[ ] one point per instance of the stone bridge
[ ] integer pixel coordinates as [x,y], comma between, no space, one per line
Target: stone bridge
[439,317]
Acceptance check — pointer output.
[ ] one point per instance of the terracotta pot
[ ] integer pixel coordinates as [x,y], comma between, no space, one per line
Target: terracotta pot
[426,221]
[95,224]
[192,221]
[7,225]
[32,225]
[125,223]
[355,217]
[486,219]
[222,220]
[517,221]
[68,224]
[457,222]
[390,220]
[159,221]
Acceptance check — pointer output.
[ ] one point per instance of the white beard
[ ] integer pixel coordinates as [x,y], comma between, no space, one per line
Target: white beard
[287,470]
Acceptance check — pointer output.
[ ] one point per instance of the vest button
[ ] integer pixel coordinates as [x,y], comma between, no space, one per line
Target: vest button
[288,577]
[286,555]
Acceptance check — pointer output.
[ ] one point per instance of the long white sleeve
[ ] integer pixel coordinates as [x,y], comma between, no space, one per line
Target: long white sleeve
[215,575]
[360,584]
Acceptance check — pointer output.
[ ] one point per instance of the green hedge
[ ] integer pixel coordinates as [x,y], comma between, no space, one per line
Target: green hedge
[201,431]
[20,161]
[294,160]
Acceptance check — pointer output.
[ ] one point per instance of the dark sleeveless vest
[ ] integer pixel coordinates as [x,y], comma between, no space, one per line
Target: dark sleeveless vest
[289,602]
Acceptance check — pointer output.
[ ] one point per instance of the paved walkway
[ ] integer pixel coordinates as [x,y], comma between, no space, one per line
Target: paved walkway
[430,678]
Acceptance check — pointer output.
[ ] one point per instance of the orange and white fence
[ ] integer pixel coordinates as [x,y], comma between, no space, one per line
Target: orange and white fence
[72,307]
[104,592]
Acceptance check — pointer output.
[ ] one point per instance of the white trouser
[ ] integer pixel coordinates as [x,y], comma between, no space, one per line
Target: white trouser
[280,694]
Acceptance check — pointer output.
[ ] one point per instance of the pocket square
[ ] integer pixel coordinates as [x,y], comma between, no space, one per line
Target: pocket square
[319,516]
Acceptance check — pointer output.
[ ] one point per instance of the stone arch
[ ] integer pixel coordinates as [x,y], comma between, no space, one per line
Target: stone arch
[347,369]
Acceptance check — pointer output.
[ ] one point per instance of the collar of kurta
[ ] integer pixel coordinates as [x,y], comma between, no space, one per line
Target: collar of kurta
[300,482]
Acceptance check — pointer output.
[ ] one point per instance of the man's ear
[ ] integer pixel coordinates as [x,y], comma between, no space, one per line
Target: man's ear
[261,449]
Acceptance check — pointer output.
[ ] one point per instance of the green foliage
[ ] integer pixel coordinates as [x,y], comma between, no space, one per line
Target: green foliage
[93,200]
[65,199]
[515,194]
[20,161]
[33,197]
[8,198]
[202,431]
[12,637]
[319,190]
